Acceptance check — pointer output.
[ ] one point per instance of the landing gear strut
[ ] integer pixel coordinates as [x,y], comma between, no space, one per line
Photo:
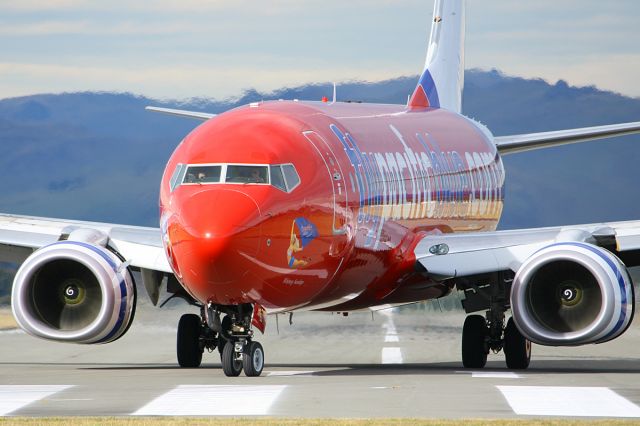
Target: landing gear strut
[232,336]
[480,335]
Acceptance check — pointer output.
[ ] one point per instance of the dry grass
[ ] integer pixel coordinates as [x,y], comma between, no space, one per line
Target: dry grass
[6,319]
[186,421]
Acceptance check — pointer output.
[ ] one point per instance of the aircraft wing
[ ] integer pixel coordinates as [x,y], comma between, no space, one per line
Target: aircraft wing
[140,246]
[528,142]
[182,113]
[449,256]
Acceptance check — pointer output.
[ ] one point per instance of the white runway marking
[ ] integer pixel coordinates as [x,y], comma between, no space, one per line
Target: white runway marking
[391,356]
[12,331]
[14,397]
[211,400]
[70,399]
[568,401]
[494,375]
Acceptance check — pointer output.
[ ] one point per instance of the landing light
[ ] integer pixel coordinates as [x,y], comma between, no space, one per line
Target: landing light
[439,249]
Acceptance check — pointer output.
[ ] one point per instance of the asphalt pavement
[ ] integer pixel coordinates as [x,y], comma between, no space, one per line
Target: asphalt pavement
[390,364]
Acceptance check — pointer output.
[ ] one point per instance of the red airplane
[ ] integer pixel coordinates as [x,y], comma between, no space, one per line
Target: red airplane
[286,205]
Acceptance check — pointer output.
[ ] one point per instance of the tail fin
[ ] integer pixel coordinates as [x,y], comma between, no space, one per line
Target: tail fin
[442,80]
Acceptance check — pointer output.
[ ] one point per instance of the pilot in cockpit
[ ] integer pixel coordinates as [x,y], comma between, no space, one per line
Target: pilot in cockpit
[256,177]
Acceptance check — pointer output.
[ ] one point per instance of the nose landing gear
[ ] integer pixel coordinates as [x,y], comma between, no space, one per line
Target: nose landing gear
[244,353]
[232,336]
[253,359]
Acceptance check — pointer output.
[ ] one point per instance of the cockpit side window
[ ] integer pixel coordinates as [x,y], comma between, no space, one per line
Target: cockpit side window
[284,177]
[202,174]
[176,177]
[277,179]
[290,176]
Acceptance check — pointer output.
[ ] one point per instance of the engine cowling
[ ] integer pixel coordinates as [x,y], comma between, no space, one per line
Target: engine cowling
[73,291]
[571,294]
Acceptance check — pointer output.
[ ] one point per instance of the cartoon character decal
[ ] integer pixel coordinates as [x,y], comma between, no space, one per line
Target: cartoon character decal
[302,233]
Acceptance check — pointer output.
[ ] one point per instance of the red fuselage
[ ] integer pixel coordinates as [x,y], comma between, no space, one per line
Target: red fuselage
[373,180]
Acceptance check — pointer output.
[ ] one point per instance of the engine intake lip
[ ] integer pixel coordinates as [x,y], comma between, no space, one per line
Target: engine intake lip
[599,303]
[100,321]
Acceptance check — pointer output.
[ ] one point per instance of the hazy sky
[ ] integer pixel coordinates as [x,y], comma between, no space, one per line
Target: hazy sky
[215,48]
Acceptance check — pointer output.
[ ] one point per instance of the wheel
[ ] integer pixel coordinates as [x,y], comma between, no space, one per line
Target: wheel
[230,365]
[188,342]
[226,326]
[517,349]
[221,344]
[474,345]
[253,359]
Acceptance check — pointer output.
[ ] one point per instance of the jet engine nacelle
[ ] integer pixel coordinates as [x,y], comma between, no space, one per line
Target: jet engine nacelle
[73,291]
[571,294]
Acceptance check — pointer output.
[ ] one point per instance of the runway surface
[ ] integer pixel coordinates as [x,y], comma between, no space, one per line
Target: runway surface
[392,365]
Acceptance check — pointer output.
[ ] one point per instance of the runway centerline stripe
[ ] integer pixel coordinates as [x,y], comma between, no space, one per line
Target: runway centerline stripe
[15,397]
[568,401]
[213,400]
[391,355]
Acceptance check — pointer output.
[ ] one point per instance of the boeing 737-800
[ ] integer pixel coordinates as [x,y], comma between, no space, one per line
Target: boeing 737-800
[285,206]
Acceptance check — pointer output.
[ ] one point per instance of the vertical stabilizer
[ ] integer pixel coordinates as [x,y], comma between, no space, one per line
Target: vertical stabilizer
[442,80]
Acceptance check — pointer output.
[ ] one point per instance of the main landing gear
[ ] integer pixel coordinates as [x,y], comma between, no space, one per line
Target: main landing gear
[478,338]
[232,336]
[481,335]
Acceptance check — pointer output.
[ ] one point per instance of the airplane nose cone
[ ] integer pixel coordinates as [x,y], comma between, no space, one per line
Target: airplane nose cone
[218,229]
[218,214]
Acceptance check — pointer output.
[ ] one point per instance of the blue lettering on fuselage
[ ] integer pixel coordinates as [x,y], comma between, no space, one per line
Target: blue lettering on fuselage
[441,184]
[355,162]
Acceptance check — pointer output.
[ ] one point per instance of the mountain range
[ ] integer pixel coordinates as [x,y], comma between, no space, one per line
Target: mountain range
[100,156]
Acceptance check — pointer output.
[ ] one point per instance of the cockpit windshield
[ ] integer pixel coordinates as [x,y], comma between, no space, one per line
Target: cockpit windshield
[282,176]
[202,174]
[247,174]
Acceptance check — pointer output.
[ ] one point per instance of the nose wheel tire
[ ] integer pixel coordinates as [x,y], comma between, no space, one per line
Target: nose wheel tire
[517,349]
[231,365]
[188,342]
[253,359]
[222,341]
[474,342]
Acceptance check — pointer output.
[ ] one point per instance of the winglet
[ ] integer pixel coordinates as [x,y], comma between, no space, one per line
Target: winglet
[442,80]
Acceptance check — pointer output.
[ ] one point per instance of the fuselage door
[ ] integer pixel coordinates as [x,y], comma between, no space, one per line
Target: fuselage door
[336,176]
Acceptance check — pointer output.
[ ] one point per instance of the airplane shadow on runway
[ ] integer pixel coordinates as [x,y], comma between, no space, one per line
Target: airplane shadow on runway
[541,367]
